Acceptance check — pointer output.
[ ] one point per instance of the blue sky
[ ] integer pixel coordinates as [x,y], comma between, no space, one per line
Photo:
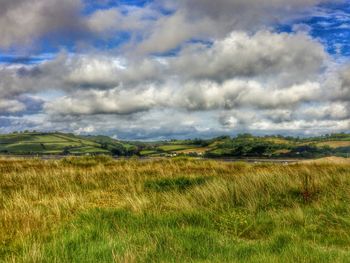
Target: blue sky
[122,68]
[329,22]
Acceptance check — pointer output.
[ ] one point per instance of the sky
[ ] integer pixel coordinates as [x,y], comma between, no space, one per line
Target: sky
[163,69]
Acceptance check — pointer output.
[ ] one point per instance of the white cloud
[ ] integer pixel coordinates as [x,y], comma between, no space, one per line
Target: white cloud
[113,101]
[11,106]
[207,19]
[290,57]
[237,93]
[240,74]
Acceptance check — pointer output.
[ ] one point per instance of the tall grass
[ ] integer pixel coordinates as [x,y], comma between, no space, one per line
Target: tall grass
[101,210]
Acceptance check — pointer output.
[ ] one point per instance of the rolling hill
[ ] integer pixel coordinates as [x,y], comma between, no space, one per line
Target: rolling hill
[47,143]
[241,146]
[37,143]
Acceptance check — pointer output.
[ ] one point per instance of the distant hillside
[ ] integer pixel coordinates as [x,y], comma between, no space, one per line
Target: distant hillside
[246,145]
[113,146]
[249,146]
[47,143]
[241,146]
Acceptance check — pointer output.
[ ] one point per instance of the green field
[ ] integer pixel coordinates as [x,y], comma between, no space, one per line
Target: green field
[241,146]
[42,143]
[100,210]
[173,148]
[55,143]
[246,145]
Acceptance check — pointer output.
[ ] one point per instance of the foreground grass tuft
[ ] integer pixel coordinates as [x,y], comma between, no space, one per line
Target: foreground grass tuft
[101,210]
[179,184]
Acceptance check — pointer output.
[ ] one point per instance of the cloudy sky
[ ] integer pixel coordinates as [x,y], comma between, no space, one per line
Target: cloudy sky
[159,69]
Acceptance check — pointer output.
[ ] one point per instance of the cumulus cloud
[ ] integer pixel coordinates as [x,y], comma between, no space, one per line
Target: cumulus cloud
[125,19]
[193,96]
[257,14]
[275,121]
[22,21]
[262,54]
[22,79]
[11,106]
[231,73]
[331,111]
[214,19]
[236,93]
[170,31]
[20,105]
[159,31]
[230,69]
[116,101]
[99,71]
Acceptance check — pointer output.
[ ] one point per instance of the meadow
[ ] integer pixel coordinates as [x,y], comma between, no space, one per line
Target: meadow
[96,209]
[241,146]
[46,143]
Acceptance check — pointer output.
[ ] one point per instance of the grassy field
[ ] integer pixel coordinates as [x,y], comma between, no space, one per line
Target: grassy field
[102,210]
[241,146]
[335,144]
[170,148]
[45,143]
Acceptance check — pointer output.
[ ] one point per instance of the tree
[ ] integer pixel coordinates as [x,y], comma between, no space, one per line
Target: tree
[66,151]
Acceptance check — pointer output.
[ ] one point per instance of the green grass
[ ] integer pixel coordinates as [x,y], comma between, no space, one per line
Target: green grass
[42,143]
[110,142]
[179,184]
[109,235]
[102,210]
[147,152]
[119,236]
[173,148]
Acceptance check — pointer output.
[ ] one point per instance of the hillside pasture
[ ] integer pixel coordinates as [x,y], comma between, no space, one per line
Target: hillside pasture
[334,144]
[55,143]
[175,147]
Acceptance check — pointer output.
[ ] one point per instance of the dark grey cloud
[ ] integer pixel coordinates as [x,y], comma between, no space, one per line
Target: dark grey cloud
[33,105]
[18,80]
[20,105]
[22,21]
[344,91]
[258,13]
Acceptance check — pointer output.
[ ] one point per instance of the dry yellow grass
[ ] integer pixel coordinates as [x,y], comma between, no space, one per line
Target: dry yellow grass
[334,144]
[329,160]
[38,197]
[194,150]
[278,141]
